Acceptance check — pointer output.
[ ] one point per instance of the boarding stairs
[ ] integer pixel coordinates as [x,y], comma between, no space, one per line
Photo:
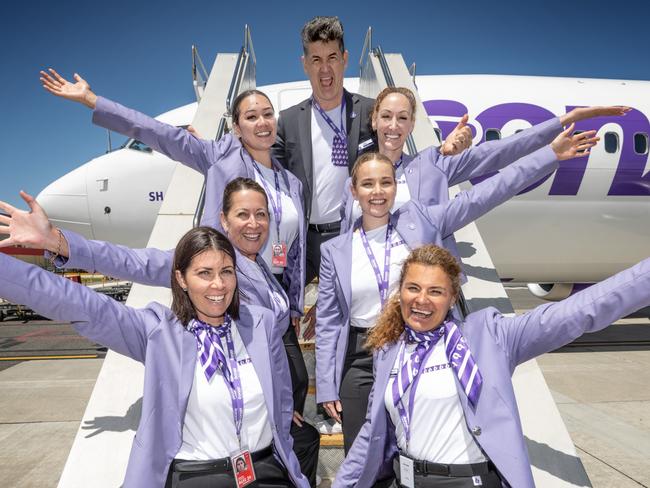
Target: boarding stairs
[101,447]
[552,453]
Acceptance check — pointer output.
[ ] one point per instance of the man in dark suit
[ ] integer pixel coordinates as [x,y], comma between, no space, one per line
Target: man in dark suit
[320,138]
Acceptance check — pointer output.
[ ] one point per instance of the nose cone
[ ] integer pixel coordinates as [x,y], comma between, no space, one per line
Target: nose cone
[66,202]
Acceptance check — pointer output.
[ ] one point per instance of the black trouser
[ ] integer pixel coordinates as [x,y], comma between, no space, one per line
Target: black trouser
[306,444]
[356,384]
[190,474]
[297,369]
[314,240]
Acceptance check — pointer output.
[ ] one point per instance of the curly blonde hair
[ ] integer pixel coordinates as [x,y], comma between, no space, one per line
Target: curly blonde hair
[390,323]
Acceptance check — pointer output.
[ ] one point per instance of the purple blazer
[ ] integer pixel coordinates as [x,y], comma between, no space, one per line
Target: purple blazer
[429,175]
[220,162]
[417,225]
[498,345]
[155,337]
[153,267]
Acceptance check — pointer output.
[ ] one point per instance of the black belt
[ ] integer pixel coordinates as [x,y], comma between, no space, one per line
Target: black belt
[222,465]
[329,227]
[426,467]
[359,330]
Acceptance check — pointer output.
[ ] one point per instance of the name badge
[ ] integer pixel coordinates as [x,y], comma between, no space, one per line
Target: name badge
[365,144]
[279,254]
[406,472]
[242,467]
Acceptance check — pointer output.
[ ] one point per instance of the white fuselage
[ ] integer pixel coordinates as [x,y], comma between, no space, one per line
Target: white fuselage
[586,222]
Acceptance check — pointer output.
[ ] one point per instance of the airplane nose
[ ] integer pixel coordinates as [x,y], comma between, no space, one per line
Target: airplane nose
[66,202]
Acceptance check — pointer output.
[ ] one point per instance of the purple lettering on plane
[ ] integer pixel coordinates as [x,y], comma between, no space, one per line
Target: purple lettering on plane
[629,179]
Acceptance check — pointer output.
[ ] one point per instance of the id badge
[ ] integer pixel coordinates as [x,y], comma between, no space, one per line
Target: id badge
[242,467]
[279,254]
[406,472]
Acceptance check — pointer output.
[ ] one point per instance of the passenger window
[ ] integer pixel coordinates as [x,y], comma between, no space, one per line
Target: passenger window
[611,142]
[438,133]
[139,146]
[492,135]
[641,143]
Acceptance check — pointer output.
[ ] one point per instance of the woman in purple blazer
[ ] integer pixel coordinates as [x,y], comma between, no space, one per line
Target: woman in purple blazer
[359,267]
[426,176]
[443,401]
[216,373]
[245,217]
[246,153]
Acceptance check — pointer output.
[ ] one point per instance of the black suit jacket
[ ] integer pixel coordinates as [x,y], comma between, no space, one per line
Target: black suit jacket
[293,144]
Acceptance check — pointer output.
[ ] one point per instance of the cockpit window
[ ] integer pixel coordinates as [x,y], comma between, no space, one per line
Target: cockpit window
[138,146]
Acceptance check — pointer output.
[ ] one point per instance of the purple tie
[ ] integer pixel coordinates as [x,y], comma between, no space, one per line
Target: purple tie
[339,152]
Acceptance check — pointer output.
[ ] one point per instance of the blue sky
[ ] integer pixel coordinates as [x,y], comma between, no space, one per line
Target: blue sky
[138,53]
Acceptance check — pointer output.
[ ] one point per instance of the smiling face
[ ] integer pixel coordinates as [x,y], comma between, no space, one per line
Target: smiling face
[426,296]
[393,121]
[256,124]
[247,222]
[375,188]
[210,283]
[325,64]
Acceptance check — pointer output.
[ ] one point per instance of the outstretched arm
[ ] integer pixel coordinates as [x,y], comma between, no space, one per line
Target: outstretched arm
[96,316]
[174,142]
[472,204]
[494,155]
[553,325]
[70,250]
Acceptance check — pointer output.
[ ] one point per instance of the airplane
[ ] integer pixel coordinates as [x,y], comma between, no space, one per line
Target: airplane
[573,228]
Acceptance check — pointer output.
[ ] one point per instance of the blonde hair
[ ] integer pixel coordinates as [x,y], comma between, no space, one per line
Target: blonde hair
[390,323]
[365,158]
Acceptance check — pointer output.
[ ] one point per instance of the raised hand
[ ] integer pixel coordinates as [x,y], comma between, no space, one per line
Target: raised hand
[78,92]
[459,139]
[582,113]
[30,229]
[568,145]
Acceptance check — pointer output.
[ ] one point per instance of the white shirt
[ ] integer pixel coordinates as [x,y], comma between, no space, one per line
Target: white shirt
[366,301]
[439,431]
[209,426]
[289,225]
[402,195]
[329,180]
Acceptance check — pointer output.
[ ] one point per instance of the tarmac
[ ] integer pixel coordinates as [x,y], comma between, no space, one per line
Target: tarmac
[601,385]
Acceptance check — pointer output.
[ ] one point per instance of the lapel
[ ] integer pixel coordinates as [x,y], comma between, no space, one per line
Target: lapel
[411,165]
[304,131]
[188,359]
[253,335]
[342,260]
[271,282]
[407,224]
[352,125]
[384,362]
[252,284]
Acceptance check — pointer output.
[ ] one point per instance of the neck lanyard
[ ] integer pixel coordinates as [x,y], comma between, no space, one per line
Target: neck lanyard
[277,204]
[212,352]
[338,131]
[382,279]
[408,375]
[399,163]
